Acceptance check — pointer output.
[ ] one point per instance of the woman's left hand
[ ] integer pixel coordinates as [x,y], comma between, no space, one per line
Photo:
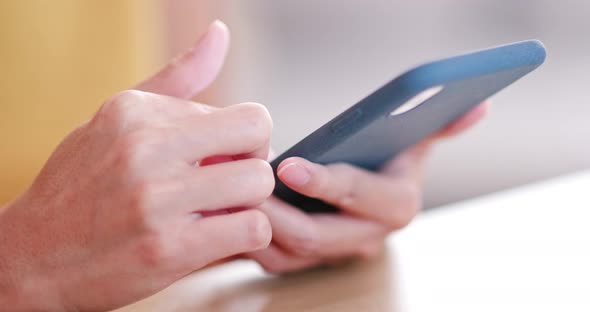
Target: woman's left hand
[372,204]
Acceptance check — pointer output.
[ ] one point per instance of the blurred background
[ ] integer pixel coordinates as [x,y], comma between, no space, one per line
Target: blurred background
[307,61]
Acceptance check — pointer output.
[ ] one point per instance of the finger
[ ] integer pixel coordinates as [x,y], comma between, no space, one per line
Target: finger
[242,183]
[410,163]
[241,130]
[343,235]
[319,236]
[190,130]
[194,70]
[467,121]
[275,260]
[371,249]
[206,240]
[359,192]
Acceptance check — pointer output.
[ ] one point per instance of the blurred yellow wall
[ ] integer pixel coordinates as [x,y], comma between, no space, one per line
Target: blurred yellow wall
[58,61]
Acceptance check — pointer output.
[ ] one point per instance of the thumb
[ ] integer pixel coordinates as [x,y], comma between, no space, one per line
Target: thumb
[195,69]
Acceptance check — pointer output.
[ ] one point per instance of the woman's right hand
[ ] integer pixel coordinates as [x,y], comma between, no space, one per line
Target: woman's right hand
[116,214]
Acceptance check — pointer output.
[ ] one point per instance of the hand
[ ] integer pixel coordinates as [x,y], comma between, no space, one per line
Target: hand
[372,205]
[116,214]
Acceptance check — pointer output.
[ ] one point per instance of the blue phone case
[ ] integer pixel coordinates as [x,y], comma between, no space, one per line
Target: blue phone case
[366,135]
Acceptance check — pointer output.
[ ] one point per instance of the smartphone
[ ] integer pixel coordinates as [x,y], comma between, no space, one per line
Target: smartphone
[409,108]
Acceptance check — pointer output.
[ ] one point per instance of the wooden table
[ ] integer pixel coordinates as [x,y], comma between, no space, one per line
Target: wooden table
[526,249]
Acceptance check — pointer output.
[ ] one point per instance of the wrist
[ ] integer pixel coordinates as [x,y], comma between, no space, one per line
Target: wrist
[28,297]
[7,288]
[20,289]
[10,295]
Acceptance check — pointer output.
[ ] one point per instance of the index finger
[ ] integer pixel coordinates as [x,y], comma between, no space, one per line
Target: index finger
[239,131]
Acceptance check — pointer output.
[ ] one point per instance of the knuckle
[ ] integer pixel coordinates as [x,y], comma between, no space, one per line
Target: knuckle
[132,149]
[348,198]
[260,166]
[265,176]
[258,119]
[259,230]
[126,98]
[153,251]
[199,109]
[142,200]
[260,180]
[121,107]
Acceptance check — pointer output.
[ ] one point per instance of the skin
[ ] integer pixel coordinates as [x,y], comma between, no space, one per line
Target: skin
[373,204]
[116,214]
[155,186]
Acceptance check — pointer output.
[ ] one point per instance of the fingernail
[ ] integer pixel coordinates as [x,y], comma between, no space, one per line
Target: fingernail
[294,175]
[217,23]
[204,39]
